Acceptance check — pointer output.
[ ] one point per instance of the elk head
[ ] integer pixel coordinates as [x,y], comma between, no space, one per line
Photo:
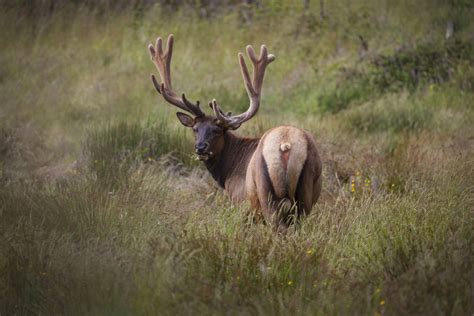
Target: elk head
[209,130]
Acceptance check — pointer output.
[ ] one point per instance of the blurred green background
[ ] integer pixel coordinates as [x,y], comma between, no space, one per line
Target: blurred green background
[103,209]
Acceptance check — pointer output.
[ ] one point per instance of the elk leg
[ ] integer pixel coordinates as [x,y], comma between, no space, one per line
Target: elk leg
[252,196]
[318,184]
[266,197]
[275,214]
[306,189]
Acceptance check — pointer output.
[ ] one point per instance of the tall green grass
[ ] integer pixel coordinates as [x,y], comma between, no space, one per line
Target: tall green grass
[114,150]
[77,248]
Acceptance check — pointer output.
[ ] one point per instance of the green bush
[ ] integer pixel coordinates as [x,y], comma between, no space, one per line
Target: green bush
[404,70]
[426,64]
[352,90]
[118,147]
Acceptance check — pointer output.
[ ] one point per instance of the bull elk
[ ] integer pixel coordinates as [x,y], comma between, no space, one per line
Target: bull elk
[278,173]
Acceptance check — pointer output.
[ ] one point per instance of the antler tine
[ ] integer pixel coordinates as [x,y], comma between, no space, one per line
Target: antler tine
[253,87]
[226,119]
[162,61]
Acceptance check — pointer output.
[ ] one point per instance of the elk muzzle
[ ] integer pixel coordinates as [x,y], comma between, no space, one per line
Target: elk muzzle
[201,150]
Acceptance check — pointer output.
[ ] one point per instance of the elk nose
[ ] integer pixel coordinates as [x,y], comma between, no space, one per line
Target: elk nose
[201,147]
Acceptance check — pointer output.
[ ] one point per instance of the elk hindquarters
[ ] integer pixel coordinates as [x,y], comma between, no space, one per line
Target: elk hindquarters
[284,150]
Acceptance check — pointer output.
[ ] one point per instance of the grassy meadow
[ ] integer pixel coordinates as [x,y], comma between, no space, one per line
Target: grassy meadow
[104,210]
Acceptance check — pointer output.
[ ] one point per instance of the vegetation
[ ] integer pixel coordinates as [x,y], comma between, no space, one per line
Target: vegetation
[103,209]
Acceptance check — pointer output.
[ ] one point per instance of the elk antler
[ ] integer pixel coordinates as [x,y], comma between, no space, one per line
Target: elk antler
[162,61]
[254,88]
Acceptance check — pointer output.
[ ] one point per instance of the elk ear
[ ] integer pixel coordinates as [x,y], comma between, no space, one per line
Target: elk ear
[185,119]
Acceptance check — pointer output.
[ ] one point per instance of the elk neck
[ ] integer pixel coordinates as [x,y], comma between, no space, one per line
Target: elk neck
[231,163]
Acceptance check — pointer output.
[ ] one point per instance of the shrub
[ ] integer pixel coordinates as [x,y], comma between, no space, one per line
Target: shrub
[114,149]
[404,70]
[425,64]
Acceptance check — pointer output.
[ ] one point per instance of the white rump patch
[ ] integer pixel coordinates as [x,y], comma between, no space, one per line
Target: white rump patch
[285,152]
